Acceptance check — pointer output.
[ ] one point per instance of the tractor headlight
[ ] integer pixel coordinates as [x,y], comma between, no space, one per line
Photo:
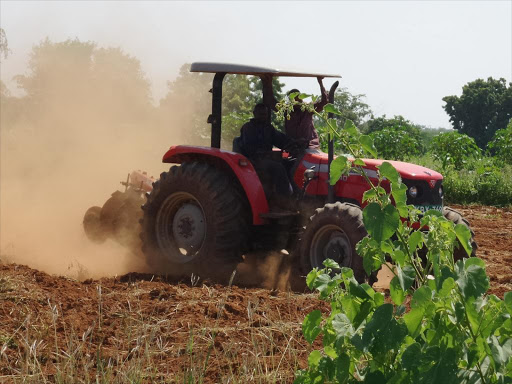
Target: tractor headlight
[441,192]
[413,191]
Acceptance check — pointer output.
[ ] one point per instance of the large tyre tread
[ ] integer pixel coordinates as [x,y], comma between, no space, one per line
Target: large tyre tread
[230,225]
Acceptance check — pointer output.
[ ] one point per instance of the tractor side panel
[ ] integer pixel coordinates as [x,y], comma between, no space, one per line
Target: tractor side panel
[239,164]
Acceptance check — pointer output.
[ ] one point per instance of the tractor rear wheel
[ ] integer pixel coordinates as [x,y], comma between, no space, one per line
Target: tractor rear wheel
[194,222]
[332,233]
[457,218]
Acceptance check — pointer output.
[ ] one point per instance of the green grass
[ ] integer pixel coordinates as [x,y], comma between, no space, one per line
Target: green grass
[483,181]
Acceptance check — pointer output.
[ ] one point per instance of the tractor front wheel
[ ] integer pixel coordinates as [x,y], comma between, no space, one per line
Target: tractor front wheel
[457,218]
[332,233]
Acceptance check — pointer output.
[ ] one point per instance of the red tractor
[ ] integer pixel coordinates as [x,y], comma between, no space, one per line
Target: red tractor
[206,212]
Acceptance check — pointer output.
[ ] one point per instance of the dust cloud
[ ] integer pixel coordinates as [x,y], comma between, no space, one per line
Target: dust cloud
[85,122]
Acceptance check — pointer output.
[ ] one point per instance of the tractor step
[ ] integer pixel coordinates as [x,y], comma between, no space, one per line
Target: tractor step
[278,214]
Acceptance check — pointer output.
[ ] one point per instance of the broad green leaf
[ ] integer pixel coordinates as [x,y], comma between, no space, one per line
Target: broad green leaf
[314,358]
[359,162]
[507,298]
[389,172]
[330,351]
[329,263]
[398,256]
[406,276]
[311,325]
[342,325]
[415,240]
[293,95]
[398,191]
[413,321]
[351,128]
[339,166]
[396,292]
[333,123]
[421,297]
[411,357]
[369,194]
[464,236]
[329,108]
[342,364]
[380,223]
[376,377]
[303,96]
[311,278]
[471,277]
[367,144]
[447,287]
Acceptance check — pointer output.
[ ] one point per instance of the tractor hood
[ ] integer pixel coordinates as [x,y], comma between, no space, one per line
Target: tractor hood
[406,170]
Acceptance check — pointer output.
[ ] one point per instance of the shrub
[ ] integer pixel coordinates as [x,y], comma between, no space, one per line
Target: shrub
[501,144]
[454,149]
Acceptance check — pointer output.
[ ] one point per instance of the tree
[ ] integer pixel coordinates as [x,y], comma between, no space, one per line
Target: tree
[74,78]
[4,45]
[484,107]
[396,138]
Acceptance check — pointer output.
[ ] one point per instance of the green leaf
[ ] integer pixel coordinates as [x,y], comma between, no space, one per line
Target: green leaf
[329,263]
[376,377]
[339,166]
[421,297]
[303,96]
[398,191]
[367,144]
[311,325]
[311,278]
[342,325]
[447,287]
[413,321]
[380,223]
[342,364]
[389,172]
[369,194]
[411,357]
[329,108]
[507,298]
[350,128]
[314,358]
[464,236]
[415,240]
[359,162]
[396,292]
[471,277]
[406,276]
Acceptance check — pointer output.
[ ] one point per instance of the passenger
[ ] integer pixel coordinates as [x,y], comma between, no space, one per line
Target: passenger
[300,126]
[257,138]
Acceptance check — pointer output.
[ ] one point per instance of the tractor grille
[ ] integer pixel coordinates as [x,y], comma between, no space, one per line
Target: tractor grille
[426,195]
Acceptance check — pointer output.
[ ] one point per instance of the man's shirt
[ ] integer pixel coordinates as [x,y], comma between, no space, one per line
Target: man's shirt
[257,137]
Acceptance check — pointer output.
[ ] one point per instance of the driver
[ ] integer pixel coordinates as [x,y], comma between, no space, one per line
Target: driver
[257,137]
[300,126]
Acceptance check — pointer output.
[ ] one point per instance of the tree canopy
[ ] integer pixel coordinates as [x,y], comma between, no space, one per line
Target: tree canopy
[484,107]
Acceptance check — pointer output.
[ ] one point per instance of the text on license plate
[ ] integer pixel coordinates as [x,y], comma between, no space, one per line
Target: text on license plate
[425,208]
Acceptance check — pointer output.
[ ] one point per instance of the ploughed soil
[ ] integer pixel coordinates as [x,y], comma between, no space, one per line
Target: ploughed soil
[138,328]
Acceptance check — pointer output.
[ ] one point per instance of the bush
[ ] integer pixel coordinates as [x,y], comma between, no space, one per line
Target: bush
[395,144]
[501,144]
[454,149]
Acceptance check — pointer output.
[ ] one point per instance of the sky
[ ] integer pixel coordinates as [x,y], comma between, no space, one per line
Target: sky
[405,56]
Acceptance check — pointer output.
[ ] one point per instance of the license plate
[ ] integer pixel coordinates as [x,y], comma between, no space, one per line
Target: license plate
[425,208]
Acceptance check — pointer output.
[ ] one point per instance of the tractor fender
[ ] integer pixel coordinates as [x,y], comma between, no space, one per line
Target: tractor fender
[236,163]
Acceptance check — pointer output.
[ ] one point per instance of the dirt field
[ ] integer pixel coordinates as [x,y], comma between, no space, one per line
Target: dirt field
[138,329]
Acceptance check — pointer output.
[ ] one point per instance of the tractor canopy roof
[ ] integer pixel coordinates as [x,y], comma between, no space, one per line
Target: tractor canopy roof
[241,69]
